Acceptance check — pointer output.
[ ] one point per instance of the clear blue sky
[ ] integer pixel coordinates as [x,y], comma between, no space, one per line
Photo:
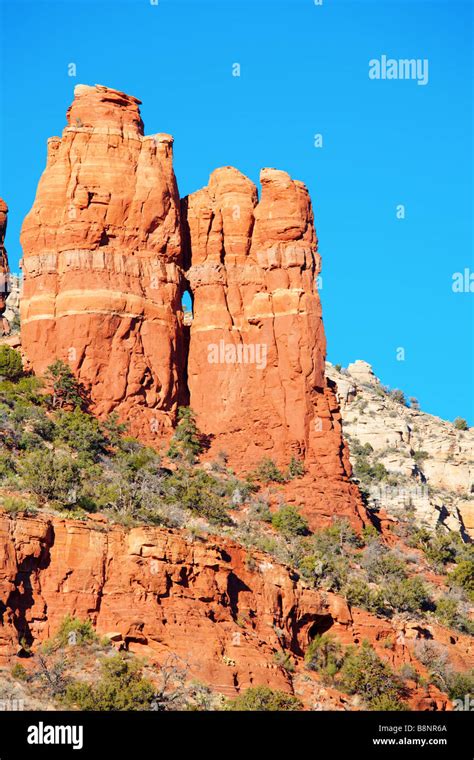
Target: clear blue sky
[387,283]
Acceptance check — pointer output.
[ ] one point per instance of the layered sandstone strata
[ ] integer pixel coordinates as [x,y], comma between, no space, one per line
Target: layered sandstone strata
[104,253]
[4,271]
[257,349]
[101,264]
[160,593]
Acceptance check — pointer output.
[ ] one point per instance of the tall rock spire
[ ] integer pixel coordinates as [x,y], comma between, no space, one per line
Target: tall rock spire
[107,254]
[257,347]
[101,264]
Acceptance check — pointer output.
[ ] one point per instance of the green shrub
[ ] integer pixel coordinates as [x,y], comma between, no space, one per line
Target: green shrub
[12,505]
[295,469]
[7,465]
[391,595]
[268,472]
[369,533]
[259,510]
[326,570]
[51,476]
[325,656]
[364,673]
[40,424]
[65,389]
[448,612]
[325,558]
[409,595]
[388,703]
[460,424]
[463,576]
[383,565]
[359,594]
[74,631]
[19,672]
[338,538]
[441,550]
[30,441]
[121,687]
[82,432]
[11,367]
[262,698]
[420,456]
[114,430]
[197,491]
[289,522]
[186,442]
[460,684]
[360,450]
[367,472]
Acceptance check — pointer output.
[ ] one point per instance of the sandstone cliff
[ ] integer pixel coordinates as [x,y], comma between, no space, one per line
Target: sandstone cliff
[102,249]
[224,612]
[256,370]
[106,260]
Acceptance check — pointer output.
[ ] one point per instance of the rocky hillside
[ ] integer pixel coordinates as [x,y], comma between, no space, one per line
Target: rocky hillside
[12,305]
[179,488]
[405,459]
[171,554]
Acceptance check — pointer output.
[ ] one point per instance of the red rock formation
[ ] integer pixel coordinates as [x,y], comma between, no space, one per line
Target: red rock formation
[163,593]
[103,278]
[102,249]
[258,349]
[4,326]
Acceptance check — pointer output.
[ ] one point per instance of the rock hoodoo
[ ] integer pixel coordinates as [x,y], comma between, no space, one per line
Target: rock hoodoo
[107,256]
[257,349]
[102,250]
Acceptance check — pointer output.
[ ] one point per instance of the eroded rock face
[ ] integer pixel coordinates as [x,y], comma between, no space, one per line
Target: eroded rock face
[257,349]
[104,255]
[12,304]
[160,593]
[4,271]
[101,264]
[438,485]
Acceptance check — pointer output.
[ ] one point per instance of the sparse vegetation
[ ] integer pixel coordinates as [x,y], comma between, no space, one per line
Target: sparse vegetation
[122,687]
[11,367]
[325,655]
[186,443]
[264,699]
[65,390]
[295,469]
[398,396]
[364,673]
[268,472]
[289,522]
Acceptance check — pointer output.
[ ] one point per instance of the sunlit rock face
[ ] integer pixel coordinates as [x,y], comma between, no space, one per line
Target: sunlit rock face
[108,251]
[257,348]
[101,263]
